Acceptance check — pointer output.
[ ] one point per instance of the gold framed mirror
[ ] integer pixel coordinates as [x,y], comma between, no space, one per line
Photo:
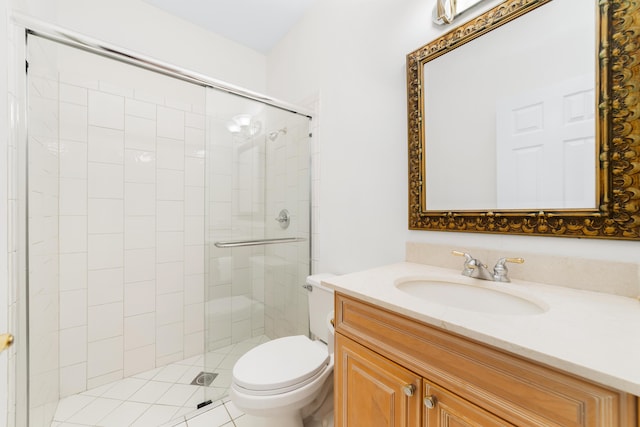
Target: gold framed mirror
[613,211]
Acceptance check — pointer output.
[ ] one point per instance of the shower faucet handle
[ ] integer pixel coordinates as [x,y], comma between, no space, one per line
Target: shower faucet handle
[284,218]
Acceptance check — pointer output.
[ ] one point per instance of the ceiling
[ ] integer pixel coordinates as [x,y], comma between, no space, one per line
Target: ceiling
[258,24]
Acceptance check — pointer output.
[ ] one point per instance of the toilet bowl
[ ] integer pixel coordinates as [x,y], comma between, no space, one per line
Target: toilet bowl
[288,379]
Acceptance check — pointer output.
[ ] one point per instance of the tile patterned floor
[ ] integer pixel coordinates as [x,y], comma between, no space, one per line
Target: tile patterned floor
[162,397]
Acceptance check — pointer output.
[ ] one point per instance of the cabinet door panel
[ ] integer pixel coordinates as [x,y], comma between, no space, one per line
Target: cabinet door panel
[370,389]
[450,410]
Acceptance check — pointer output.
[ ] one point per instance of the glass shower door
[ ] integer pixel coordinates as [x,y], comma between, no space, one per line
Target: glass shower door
[116,201]
[168,233]
[258,229]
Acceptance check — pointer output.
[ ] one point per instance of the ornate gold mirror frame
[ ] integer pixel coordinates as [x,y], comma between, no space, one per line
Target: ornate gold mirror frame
[618,134]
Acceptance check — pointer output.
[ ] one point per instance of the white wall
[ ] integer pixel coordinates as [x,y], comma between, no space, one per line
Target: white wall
[352,52]
[144,29]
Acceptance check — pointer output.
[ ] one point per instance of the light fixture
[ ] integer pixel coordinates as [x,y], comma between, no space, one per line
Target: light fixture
[244,126]
[445,11]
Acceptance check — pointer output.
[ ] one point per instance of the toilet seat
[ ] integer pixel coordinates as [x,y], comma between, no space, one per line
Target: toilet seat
[280,366]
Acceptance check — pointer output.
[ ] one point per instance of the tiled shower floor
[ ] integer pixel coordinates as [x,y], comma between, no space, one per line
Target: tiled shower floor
[162,396]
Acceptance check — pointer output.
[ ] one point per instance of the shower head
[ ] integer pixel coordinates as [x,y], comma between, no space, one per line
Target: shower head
[276,133]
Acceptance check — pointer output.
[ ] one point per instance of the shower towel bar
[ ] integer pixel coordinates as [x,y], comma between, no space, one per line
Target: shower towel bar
[239,243]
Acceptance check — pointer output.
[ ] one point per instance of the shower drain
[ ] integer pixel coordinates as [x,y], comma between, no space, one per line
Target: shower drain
[204,378]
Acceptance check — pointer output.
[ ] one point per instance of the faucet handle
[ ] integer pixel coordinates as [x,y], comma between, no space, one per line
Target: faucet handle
[500,270]
[469,259]
[464,254]
[470,263]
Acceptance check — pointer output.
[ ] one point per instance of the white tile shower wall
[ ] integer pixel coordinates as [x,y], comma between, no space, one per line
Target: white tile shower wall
[248,215]
[43,239]
[286,266]
[256,290]
[235,301]
[132,227]
[221,292]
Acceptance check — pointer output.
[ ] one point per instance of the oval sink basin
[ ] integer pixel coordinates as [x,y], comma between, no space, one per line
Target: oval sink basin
[470,297]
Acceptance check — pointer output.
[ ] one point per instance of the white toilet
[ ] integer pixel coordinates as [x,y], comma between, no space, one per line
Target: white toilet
[289,379]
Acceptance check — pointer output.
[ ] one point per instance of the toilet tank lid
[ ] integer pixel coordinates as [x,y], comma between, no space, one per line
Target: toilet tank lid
[315,279]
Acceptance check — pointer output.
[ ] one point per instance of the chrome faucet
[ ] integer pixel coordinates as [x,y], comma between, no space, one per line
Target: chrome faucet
[500,270]
[476,269]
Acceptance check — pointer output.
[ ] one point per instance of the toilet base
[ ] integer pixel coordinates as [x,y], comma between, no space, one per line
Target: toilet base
[290,408]
[317,413]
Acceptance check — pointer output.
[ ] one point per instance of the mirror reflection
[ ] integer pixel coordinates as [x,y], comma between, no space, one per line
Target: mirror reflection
[612,209]
[509,118]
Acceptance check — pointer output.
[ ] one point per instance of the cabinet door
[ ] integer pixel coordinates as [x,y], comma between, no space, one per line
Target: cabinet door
[445,409]
[372,391]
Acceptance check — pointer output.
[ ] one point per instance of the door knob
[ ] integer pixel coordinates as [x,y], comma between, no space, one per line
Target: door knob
[409,389]
[430,402]
[5,341]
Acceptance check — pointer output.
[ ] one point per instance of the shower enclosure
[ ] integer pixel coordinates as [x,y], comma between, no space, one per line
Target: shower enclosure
[167,227]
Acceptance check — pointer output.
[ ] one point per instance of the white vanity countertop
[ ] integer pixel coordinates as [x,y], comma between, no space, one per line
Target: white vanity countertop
[590,334]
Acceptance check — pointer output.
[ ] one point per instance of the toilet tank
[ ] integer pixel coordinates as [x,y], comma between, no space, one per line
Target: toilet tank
[320,305]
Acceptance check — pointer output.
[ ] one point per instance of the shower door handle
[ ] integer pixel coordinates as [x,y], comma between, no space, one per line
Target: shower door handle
[5,341]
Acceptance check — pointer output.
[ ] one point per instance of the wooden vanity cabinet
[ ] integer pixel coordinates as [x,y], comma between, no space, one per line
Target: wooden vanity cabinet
[391,370]
[380,393]
[377,391]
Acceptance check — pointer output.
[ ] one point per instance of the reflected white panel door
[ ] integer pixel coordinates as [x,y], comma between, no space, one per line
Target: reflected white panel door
[545,147]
